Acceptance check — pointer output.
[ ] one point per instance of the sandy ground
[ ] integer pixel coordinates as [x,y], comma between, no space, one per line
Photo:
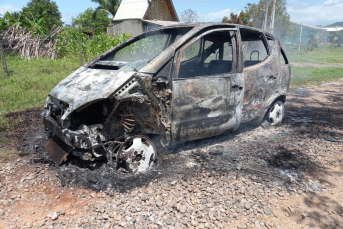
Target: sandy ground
[289,176]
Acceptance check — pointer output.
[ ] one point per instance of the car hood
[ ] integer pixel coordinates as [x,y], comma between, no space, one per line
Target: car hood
[86,85]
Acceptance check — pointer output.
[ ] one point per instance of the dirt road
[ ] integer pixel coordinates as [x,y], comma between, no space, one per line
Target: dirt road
[289,176]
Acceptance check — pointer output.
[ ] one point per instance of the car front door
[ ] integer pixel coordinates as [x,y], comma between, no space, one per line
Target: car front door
[207,86]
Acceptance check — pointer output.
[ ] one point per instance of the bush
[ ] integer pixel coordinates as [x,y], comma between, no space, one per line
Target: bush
[67,44]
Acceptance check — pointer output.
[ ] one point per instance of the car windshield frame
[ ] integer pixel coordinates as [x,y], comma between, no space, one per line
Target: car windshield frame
[170,35]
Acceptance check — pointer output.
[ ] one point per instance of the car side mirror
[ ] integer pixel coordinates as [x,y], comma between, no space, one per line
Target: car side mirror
[162,80]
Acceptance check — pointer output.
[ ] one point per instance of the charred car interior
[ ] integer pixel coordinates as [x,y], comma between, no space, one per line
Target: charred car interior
[178,83]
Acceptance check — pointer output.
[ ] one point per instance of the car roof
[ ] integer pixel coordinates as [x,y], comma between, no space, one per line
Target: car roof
[213,25]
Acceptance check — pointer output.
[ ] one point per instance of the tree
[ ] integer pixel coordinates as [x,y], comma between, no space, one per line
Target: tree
[107,6]
[16,15]
[282,18]
[293,34]
[189,16]
[336,39]
[3,23]
[37,25]
[312,40]
[36,8]
[242,19]
[9,19]
[88,24]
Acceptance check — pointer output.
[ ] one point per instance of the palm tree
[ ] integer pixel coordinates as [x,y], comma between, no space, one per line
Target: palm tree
[108,6]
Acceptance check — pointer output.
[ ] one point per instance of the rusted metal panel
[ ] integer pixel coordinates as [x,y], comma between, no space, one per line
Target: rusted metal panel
[206,106]
[58,151]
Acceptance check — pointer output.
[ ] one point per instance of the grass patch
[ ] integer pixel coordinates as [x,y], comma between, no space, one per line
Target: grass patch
[311,76]
[30,82]
[317,56]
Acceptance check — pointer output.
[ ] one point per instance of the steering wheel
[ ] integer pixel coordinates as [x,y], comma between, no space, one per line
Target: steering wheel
[258,55]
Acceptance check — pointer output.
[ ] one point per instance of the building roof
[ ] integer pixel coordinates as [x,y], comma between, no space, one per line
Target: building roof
[131,9]
[334,29]
[136,9]
[309,26]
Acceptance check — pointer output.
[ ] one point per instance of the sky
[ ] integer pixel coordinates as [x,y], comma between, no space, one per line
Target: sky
[310,12]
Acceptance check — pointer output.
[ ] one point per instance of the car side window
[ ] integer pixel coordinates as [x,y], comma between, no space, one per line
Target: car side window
[254,48]
[215,56]
[192,51]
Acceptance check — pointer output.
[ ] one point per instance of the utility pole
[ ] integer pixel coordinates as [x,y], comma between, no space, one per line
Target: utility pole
[301,31]
[265,16]
[272,18]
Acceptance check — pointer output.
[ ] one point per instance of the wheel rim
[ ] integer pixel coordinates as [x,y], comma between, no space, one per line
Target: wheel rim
[276,113]
[137,154]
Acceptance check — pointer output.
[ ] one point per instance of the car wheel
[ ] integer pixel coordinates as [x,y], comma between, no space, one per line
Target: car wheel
[136,154]
[276,113]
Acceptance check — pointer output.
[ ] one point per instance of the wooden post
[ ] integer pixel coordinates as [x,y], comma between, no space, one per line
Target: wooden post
[301,31]
[272,21]
[3,60]
[80,51]
[265,16]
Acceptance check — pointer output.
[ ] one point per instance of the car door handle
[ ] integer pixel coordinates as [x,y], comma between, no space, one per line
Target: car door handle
[271,78]
[236,88]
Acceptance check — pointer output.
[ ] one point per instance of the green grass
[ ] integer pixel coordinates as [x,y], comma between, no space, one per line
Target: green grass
[30,82]
[328,56]
[311,76]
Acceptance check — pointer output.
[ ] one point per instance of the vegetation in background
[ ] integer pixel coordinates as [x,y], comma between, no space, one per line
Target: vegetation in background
[30,82]
[36,8]
[3,23]
[39,16]
[320,55]
[189,16]
[312,76]
[242,19]
[37,25]
[293,34]
[107,6]
[67,44]
[313,40]
[282,18]
[87,23]
[8,19]
[337,39]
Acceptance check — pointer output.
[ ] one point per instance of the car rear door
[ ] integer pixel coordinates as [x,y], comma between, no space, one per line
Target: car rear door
[260,71]
[207,86]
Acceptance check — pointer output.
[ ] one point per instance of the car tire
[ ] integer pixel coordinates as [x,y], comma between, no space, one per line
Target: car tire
[275,113]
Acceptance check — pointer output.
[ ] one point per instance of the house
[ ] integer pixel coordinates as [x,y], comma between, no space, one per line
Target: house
[323,33]
[305,34]
[136,16]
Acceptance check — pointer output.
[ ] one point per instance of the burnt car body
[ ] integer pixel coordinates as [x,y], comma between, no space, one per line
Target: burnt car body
[181,83]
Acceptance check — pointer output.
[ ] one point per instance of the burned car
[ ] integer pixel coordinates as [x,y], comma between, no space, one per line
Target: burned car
[180,83]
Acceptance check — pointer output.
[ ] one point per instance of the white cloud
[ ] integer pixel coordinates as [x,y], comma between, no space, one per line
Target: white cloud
[327,13]
[214,16]
[9,8]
